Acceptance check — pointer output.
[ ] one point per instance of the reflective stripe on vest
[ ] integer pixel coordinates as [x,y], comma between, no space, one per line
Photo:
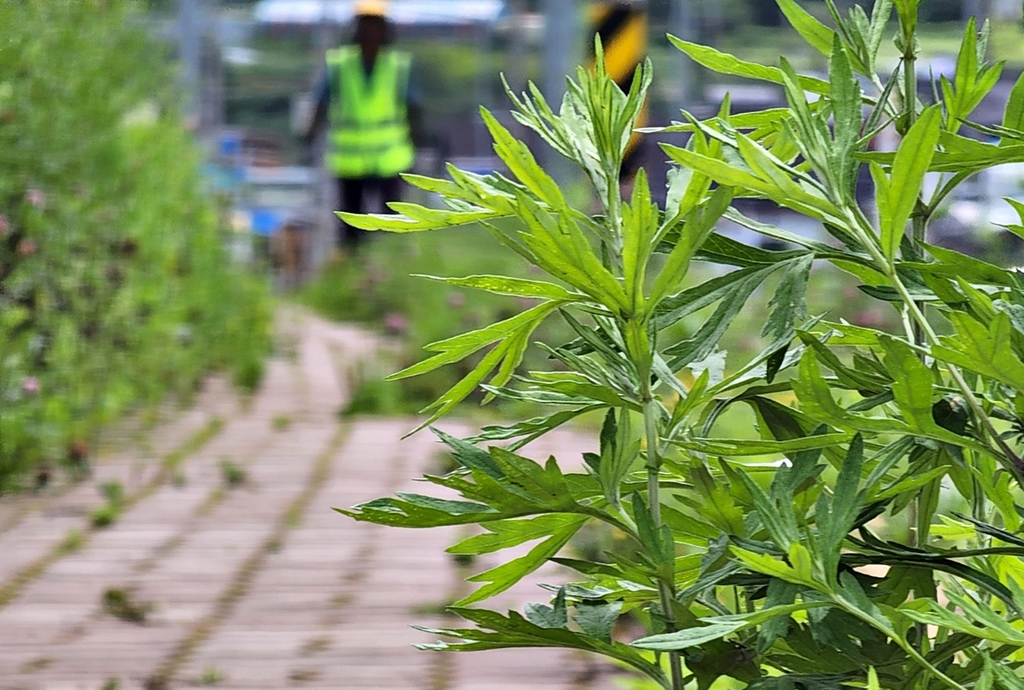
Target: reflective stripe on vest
[369,120]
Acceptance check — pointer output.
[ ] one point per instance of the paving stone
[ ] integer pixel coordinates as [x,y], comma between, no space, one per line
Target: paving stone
[332,602]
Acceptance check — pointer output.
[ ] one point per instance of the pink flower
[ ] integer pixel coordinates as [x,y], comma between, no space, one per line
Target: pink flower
[30,385]
[5,225]
[869,318]
[36,197]
[27,247]
[395,323]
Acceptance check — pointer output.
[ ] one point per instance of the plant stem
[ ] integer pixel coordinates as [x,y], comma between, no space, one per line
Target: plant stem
[908,648]
[666,590]
[1011,459]
[1016,465]
[917,234]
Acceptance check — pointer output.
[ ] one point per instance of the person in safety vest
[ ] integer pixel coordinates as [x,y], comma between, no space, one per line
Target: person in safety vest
[365,97]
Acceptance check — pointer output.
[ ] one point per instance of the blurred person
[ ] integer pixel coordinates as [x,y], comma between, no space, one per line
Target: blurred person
[365,98]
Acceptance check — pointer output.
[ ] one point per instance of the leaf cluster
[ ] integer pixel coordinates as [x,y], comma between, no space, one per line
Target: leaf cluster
[868,535]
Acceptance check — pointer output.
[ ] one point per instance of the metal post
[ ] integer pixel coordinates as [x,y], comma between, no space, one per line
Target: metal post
[560,56]
[516,70]
[214,100]
[480,136]
[682,26]
[190,47]
[558,47]
[974,8]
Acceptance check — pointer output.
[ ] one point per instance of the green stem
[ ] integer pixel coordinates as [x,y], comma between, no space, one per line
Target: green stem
[905,646]
[1012,461]
[909,82]
[917,235]
[666,590]
[613,209]
[1015,463]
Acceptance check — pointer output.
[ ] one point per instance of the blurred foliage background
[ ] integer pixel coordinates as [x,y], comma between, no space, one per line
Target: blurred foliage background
[116,291]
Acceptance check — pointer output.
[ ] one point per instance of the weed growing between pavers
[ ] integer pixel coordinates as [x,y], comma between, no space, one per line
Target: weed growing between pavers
[755,559]
[120,604]
[73,541]
[211,676]
[37,665]
[108,513]
[232,473]
[315,645]
[243,578]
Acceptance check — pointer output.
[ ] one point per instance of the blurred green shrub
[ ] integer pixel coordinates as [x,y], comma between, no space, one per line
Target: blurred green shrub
[382,286]
[115,287]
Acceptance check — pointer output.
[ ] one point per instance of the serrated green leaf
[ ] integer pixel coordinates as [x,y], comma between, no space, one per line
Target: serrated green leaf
[516,155]
[544,616]
[778,520]
[469,455]
[508,574]
[836,517]
[719,507]
[930,613]
[912,389]
[851,592]
[429,512]
[818,35]
[986,351]
[499,632]
[913,158]
[1013,117]
[690,637]
[789,303]
[880,13]
[530,429]
[706,339]
[799,573]
[597,619]
[846,112]
[504,534]
[659,545]
[435,220]
[698,226]
[461,346]
[724,63]
[741,447]
[725,250]
[792,197]
[640,223]
[517,287]
[719,627]
[780,593]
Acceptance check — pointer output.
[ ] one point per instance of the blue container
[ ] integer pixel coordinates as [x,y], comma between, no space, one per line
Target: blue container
[265,221]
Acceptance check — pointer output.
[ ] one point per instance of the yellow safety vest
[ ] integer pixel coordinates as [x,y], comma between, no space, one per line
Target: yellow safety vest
[369,119]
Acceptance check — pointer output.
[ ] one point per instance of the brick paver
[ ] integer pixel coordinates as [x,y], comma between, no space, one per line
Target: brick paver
[260,585]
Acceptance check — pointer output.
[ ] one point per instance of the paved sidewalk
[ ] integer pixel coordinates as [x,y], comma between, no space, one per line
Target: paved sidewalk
[259,584]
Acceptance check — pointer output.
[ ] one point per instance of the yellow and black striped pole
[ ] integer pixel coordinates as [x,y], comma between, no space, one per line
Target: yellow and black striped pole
[622,27]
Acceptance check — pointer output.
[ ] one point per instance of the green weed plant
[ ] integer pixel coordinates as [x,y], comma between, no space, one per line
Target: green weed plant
[115,288]
[759,562]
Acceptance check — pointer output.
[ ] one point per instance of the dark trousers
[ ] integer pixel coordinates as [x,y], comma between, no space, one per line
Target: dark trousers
[352,193]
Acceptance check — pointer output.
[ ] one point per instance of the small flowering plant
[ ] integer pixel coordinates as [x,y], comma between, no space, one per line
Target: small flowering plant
[867,533]
[108,245]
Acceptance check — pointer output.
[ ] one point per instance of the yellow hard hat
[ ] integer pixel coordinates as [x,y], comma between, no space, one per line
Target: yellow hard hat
[371,8]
